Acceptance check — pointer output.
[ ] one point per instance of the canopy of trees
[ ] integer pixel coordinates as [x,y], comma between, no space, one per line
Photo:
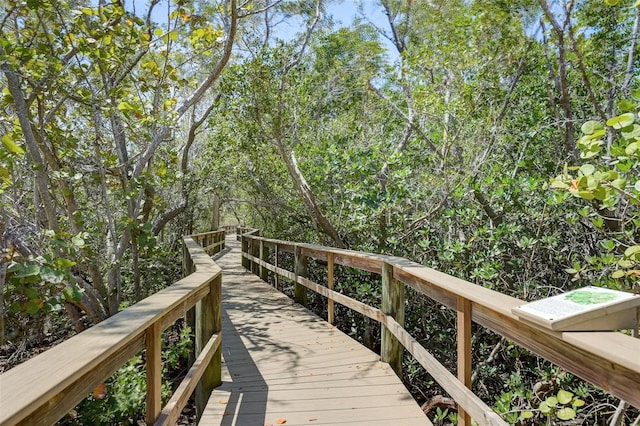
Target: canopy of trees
[496,141]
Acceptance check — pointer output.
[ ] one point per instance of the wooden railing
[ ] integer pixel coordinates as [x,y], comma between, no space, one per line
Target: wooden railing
[610,360]
[43,389]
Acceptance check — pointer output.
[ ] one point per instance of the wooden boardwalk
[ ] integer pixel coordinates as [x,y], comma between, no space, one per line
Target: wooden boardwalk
[285,365]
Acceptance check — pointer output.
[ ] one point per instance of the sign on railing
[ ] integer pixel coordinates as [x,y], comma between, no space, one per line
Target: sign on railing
[606,359]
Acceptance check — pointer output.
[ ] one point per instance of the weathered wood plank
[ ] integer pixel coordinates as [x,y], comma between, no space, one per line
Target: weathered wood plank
[300,272]
[283,360]
[463,396]
[464,352]
[617,372]
[153,343]
[330,307]
[392,304]
[171,412]
[45,388]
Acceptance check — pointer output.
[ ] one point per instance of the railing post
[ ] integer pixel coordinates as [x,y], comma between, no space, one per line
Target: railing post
[264,256]
[187,264]
[330,309]
[464,352]
[153,343]
[300,291]
[190,317]
[245,249]
[276,276]
[255,252]
[209,322]
[393,305]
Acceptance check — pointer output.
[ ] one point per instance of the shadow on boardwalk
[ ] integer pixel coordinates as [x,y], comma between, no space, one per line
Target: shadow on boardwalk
[284,363]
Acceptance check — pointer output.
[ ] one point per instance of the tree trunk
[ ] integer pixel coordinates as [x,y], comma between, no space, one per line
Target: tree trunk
[308,197]
[215,212]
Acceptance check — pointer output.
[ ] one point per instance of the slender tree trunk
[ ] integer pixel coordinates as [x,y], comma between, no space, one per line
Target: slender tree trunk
[308,197]
[215,212]
[41,178]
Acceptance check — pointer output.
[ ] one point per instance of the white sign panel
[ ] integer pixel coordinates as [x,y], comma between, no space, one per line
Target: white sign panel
[586,304]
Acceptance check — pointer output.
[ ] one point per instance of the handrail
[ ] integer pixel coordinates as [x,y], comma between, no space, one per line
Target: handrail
[43,389]
[606,359]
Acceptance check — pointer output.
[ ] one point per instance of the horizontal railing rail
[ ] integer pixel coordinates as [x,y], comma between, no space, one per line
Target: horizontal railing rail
[609,360]
[43,389]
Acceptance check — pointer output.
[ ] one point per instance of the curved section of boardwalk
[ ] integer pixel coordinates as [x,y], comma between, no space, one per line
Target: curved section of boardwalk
[283,363]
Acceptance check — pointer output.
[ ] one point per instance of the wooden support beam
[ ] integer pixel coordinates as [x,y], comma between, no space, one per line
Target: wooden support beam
[264,255]
[330,308]
[255,252]
[171,412]
[300,270]
[276,275]
[209,322]
[464,352]
[245,249]
[153,343]
[393,305]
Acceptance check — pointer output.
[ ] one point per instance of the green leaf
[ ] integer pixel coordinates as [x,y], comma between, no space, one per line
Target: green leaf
[626,105]
[587,169]
[544,407]
[591,126]
[631,148]
[634,133]
[551,401]
[31,293]
[564,397]
[631,251]
[72,294]
[558,184]
[608,245]
[51,275]
[31,307]
[600,193]
[618,274]
[24,270]
[578,402]
[625,263]
[65,263]
[566,413]
[526,415]
[621,121]
[10,145]
[77,240]
[586,195]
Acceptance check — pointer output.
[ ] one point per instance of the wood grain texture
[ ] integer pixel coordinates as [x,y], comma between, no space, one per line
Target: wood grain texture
[284,362]
[300,271]
[153,343]
[330,307]
[463,334]
[391,350]
[45,388]
[480,411]
[171,411]
[609,360]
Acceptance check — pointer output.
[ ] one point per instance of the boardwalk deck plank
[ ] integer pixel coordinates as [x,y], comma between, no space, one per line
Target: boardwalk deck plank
[282,362]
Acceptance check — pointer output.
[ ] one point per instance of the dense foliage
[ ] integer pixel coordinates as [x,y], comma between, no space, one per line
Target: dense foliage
[496,141]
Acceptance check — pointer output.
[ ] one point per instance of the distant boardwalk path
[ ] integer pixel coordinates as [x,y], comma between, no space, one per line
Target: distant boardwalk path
[283,363]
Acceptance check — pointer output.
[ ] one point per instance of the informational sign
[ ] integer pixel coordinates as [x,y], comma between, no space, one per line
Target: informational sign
[585,309]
